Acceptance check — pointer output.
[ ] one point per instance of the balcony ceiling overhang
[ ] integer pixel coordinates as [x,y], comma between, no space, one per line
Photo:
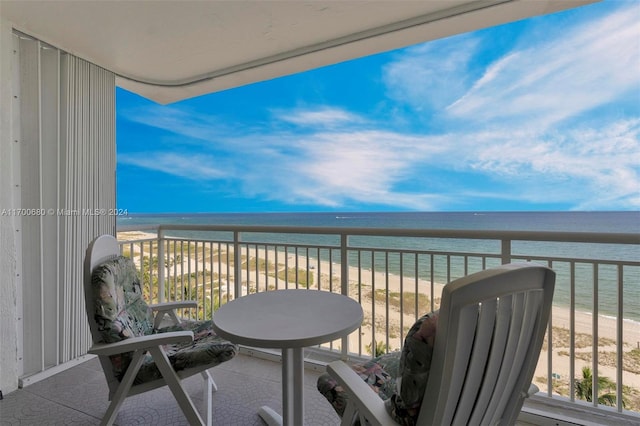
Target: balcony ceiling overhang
[173,50]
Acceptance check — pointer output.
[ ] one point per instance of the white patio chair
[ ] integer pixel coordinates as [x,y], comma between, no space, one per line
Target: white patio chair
[488,337]
[136,355]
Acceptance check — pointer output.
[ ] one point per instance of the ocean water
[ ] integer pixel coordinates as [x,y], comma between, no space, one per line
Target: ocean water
[607,222]
[618,222]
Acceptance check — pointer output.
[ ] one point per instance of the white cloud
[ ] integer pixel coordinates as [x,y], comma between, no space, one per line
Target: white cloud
[507,123]
[585,167]
[320,116]
[182,121]
[195,167]
[333,168]
[431,75]
[330,163]
[570,72]
[361,166]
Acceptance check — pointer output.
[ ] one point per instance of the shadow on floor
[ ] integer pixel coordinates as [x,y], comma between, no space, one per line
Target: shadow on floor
[78,396]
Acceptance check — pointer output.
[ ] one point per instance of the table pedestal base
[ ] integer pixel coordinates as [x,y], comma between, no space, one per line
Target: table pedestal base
[269,416]
[292,391]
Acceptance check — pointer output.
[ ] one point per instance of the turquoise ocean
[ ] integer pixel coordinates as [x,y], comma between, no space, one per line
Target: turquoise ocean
[606,222]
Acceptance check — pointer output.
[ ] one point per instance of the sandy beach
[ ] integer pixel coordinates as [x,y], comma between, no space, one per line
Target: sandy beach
[389,321]
[560,321]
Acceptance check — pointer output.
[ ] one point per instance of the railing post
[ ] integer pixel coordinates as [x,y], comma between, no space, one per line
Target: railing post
[506,251]
[237,265]
[344,265]
[344,284]
[595,391]
[161,265]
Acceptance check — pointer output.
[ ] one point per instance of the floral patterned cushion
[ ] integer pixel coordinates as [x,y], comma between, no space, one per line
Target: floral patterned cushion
[380,374]
[399,378]
[119,309]
[121,313]
[207,350]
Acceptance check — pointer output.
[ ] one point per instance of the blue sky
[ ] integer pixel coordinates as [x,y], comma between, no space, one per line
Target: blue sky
[542,114]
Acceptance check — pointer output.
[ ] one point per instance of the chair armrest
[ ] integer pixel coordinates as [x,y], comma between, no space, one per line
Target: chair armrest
[367,402]
[142,342]
[167,306]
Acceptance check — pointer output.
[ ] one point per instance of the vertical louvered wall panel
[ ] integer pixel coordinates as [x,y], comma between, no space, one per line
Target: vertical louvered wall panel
[67,156]
[30,131]
[49,146]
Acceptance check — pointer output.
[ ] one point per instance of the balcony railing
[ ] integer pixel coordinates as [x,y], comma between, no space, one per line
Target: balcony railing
[397,275]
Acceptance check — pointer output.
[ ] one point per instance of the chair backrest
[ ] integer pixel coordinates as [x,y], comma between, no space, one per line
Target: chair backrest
[113,294]
[103,248]
[100,250]
[115,307]
[489,336]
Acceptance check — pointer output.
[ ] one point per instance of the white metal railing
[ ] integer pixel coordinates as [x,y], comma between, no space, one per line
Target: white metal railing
[396,275]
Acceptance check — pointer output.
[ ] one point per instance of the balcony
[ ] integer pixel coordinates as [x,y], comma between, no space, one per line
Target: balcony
[60,399]
[396,275]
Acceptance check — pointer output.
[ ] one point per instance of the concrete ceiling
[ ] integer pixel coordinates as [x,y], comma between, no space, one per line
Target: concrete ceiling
[172,50]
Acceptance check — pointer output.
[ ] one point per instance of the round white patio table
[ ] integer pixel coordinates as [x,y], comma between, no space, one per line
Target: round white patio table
[289,320]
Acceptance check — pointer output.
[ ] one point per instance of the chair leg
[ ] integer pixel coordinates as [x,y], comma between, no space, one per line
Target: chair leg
[208,377]
[173,381]
[207,394]
[123,389]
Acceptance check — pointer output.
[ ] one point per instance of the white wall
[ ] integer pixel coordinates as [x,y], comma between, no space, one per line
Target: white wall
[8,240]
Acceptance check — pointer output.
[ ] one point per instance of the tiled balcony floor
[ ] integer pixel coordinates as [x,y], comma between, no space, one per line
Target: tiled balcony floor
[78,396]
